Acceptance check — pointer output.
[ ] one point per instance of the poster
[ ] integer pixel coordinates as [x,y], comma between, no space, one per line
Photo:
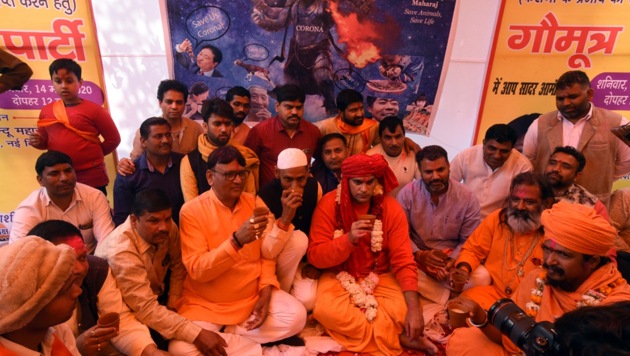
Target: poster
[38,32]
[391,51]
[536,41]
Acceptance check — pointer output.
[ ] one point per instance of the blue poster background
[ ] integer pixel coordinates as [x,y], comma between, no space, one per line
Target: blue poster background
[390,49]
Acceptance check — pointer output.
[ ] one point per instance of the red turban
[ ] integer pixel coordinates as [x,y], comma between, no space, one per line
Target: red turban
[578,228]
[362,165]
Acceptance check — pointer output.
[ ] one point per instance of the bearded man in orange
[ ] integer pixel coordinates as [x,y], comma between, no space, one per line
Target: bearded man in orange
[367,299]
[507,242]
[576,272]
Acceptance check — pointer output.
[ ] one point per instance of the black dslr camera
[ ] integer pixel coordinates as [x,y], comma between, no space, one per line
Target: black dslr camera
[533,338]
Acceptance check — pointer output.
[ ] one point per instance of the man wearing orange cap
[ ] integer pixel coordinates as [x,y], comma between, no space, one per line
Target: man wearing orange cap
[367,299]
[575,273]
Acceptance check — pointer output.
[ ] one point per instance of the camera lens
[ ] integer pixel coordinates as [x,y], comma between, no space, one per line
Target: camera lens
[511,320]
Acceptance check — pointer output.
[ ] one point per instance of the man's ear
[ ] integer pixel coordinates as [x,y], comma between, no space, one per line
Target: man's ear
[593,262]
[276,171]
[589,93]
[134,220]
[210,176]
[39,180]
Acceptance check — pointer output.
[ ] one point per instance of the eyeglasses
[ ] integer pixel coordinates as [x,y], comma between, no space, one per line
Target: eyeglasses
[231,175]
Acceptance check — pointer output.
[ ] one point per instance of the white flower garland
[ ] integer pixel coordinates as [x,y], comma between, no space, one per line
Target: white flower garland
[362,294]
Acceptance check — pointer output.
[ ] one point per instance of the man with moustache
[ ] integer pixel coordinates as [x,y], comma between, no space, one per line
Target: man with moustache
[285,130]
[507,242]
[488,169]
[564,167]
[141,252]
[330,153]
[218,116]
[578,123]
[239,99]
[158,167]
[360,133]
[575,273]
[62,197]
[400,159]
[231,285]
[442,213]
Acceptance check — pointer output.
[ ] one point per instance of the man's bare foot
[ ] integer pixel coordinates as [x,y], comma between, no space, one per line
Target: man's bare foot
[421,343]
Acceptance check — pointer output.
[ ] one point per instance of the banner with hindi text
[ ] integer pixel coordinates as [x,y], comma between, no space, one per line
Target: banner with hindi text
[538,40]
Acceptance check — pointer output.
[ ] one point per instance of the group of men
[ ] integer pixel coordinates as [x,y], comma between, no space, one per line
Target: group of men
[223,237]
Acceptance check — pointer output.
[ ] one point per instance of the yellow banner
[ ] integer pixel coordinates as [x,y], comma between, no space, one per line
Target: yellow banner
[537,40]
[38,32]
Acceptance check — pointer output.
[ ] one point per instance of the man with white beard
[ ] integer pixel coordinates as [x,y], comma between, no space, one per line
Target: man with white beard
[507,242]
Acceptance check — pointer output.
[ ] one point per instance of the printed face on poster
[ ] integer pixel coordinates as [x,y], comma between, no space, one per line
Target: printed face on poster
[390,51]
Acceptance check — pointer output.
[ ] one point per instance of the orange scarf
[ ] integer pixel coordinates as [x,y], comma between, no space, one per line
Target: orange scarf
[556,302]
[353,130]
[61,117]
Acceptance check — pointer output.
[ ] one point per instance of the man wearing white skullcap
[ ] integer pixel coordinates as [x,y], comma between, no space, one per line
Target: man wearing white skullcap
[38,290]
[292,197]
[576,272]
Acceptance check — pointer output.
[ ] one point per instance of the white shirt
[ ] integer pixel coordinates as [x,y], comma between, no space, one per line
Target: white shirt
[404,166]
[89,211]
[571,134]
[491,187]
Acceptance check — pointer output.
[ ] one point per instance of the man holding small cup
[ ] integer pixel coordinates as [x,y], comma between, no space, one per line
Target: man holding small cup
[367,298]
[442,213]
[230,283]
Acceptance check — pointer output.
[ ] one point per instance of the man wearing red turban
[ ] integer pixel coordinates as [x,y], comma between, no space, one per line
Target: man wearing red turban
[576,272]
[367,299]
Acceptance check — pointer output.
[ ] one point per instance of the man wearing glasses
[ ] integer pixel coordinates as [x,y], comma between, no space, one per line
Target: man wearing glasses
[218,122]
[229,283]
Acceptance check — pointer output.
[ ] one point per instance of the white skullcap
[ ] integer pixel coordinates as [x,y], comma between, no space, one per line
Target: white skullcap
[291,158]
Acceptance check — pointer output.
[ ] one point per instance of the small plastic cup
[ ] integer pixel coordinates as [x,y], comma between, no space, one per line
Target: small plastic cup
[109,320]
[369,217]
[459,281]
[260,211]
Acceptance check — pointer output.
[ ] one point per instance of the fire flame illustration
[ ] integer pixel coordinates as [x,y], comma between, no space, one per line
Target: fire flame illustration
[359,37]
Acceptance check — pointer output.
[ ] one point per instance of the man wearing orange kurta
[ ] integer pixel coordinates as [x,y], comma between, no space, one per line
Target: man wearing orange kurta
[575,273]
[367,299]
[508,240]
[229,283]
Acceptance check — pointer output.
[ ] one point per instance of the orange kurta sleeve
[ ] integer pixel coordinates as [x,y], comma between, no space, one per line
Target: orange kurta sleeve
[477,247]
[323,250]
